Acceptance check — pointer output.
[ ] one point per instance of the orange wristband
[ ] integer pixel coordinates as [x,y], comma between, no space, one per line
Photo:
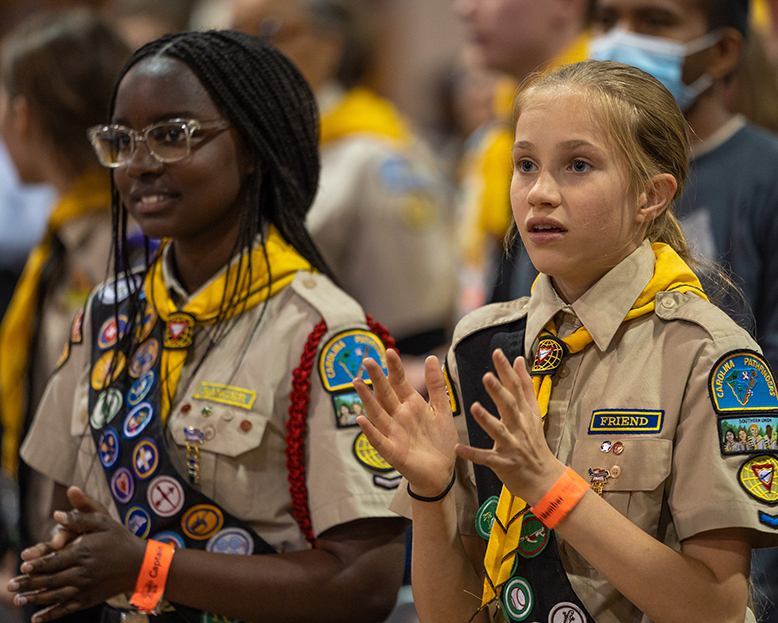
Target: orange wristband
[561,498]
[152,577]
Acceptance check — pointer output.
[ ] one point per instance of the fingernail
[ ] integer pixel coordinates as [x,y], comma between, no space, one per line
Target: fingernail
[20,601]
[13,586]
[26,568]
[61,516]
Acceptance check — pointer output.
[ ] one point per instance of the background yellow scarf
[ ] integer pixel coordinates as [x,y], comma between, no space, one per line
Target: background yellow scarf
[205,307]
[363,112]
[670,273]
[90,193]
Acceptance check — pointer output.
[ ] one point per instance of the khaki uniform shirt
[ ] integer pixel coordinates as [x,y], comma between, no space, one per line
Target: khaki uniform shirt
[673,483]
[382,221]
[242,461]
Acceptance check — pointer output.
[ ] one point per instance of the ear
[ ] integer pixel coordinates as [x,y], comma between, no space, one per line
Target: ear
[656,198]
[724,56]
[19,116]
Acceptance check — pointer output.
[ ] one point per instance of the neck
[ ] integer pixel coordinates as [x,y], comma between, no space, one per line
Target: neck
[197,261]
[707,116]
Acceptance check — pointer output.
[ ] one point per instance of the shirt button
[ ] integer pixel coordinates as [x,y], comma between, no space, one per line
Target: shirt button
[309,283]
[564,372]
[615,471]
[668,303]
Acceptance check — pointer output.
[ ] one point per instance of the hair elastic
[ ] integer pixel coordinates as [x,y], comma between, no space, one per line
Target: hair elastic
[436,498]
[560,499]
[152,578]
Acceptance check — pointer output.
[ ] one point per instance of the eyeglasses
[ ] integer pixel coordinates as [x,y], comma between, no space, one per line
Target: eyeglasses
[167,141]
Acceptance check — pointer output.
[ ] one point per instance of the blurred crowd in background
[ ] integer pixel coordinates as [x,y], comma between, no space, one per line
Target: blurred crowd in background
[415,219]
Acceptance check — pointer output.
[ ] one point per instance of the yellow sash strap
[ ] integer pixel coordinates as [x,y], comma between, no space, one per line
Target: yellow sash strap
[90,193]
[671,273]
[205,307]
[363,112]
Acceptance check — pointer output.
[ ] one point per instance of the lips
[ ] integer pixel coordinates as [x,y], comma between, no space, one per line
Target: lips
[152,200]
[544,230]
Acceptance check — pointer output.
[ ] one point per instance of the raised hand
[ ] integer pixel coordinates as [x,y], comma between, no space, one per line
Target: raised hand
[70,572]
[417,438]
[520,456]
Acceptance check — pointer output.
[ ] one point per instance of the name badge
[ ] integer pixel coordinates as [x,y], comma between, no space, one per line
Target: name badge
[626,422]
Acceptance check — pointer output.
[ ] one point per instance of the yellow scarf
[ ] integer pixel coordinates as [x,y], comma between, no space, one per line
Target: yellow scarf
[90,193]
[671,273]
[205,307]
[363,112]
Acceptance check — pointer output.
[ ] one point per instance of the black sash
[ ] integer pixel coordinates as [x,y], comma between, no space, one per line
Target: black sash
[153,499]
[538,587]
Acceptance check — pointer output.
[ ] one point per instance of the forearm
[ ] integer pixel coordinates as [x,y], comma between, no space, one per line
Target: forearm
[446,587]
[668,586]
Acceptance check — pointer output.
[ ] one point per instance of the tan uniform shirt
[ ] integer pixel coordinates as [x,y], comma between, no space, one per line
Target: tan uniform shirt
[383,222]
[242,461]
[673,483]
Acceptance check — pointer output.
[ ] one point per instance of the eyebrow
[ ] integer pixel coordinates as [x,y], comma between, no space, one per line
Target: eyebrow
[570,144]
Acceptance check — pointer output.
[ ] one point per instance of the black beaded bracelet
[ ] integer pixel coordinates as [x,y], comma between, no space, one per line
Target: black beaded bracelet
[437,498]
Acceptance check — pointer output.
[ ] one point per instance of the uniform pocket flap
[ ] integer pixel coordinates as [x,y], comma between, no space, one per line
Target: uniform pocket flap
[643,464]
[229,431]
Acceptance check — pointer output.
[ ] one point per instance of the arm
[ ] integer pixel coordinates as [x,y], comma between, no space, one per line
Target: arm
[353,575]
[418,440]
[712,567]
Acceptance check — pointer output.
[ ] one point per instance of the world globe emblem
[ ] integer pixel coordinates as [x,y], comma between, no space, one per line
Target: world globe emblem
[549,356]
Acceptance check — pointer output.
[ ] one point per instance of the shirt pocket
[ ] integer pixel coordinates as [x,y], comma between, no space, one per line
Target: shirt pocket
[231,452]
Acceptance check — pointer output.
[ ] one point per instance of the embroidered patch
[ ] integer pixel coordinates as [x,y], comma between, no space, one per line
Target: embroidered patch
[626,422]
[566,612]
[109,294]
[534,536]
[137,420]
[179,330]
[75,330]
[107,369]
[742,381]
[231,541]
[106,407]
[548,358]
[144,358]
[484,518]
[202,521]
[122,485]
[63,356]
[165,496]
[750,434]
[348,406]
[368,456]
[145,458]
[147,323]
[138,520]
[169,537]
[768,520]
[342,359]
[757,476]
[108,448]
[226,394]
[452,395]
[210,617]
[386,483]
[141,388]
[517,599]
[111,331]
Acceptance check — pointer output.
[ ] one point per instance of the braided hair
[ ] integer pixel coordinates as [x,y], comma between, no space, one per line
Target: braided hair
[269,103]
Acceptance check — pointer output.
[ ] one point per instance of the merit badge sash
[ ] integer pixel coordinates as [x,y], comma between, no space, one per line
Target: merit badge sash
[538,588]
[153,500]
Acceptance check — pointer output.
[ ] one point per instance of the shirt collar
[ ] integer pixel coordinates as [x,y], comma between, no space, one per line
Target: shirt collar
[602,308]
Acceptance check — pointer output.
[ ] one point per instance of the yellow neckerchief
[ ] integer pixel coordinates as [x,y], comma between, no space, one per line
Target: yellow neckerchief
[89,193]
[361,111]
[284,260]
[671,273]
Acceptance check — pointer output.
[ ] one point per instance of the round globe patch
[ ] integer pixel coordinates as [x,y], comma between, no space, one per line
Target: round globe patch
[517,599]
[368,456]
[757,476]
[484,518]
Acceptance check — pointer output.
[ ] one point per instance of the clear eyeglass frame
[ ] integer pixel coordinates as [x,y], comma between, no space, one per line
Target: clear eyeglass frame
[112,153]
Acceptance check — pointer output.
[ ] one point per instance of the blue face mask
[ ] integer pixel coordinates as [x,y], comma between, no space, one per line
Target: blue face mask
[662,58]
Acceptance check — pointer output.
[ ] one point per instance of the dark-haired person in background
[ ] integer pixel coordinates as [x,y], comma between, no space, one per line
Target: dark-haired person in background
[196,407]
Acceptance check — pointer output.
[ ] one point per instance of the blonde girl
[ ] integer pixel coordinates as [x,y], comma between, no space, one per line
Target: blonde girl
[590,478]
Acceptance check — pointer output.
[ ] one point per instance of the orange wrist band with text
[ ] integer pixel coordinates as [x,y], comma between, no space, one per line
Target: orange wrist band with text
[152,577]
[561,498]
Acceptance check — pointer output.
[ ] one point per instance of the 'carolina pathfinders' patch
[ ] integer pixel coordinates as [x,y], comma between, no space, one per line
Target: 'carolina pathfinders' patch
[742,381]
[342,359]
[626,422]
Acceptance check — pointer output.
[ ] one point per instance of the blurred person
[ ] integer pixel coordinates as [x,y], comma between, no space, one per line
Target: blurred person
[516,38]
[57,71]
[141,21]
[753,91]
[381,214]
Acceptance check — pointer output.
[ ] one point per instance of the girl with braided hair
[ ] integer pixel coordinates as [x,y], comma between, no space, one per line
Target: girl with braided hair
[194,415]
